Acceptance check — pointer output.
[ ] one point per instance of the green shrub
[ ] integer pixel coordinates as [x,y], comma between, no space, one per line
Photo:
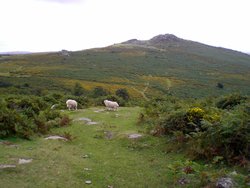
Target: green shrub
[229,138]
[212,132]
[185,120]
[78,90]
[50,114]
[229,102]
[7,122]
[41,125]
[24,116]
[14,123]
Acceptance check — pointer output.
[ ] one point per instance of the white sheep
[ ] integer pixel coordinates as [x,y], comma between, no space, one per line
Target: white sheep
[111,105]
[71,104]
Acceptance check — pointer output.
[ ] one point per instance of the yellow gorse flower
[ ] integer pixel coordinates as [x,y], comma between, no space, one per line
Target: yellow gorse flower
[195,113]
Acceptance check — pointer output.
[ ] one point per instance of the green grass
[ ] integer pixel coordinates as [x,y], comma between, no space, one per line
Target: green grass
[118,161]
[195,67]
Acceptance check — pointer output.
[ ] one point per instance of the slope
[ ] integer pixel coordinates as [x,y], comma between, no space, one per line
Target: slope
[164,64]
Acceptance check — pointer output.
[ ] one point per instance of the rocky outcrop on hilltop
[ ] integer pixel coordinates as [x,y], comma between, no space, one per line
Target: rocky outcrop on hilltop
[165,38]
[159,40]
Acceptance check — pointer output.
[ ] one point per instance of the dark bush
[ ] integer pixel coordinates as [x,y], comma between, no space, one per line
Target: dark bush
[122,93]
[220,85]
[5,84]
[229,102]
[99,91]
[78,90]
[26,85]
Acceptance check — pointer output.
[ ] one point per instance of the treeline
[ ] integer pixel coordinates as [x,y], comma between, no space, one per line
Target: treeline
[214,129]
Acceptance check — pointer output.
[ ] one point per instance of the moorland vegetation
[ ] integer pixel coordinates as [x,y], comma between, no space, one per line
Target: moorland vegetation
[160,66]
[194,96]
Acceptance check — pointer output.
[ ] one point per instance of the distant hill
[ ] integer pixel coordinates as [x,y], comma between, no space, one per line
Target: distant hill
[14,53]
[164,64]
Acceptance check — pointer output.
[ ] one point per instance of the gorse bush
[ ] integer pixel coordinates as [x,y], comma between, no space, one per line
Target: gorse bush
[211,131]
[228,138]
[195,114]
[24,116]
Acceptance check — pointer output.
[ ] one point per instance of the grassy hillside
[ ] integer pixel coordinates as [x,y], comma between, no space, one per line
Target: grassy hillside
[162,65]
[104,154]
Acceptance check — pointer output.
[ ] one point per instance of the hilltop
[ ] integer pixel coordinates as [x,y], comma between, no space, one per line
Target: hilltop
[164,64]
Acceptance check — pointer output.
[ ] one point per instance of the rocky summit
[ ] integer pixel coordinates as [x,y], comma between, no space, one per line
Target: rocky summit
[165,38]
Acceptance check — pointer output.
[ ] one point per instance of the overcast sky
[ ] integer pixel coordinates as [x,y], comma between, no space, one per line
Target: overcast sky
[53,25]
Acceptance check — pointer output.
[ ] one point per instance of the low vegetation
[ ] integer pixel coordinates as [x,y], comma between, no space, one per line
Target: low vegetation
[24,116]
[212,129]
[190,143]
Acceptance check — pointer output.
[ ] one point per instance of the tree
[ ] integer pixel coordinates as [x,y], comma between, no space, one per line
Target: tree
[99,91]
[123,93]
[220,85]
[78,90]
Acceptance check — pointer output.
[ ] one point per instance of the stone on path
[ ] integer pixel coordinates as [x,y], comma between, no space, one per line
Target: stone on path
[92,123]
[87,169]
[3,166]
[88,182]
[84,119]
[56,138]
[85,156]
[24,161]
[183,181]
[99,110]
[87,121]
[225,183]
[134,136]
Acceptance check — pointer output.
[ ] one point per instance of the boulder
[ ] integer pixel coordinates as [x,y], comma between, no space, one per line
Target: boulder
[225,183]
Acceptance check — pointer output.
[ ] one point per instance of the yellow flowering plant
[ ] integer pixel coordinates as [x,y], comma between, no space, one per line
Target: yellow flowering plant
[195,114]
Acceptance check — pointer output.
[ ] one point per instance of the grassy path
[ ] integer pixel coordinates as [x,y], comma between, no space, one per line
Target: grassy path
[101,153]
